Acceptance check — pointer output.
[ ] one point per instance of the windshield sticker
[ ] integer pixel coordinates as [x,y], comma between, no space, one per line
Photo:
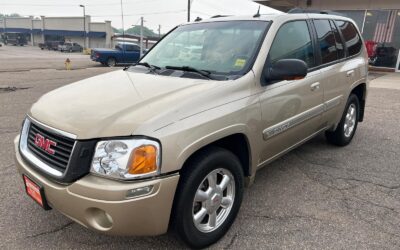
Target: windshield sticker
[240,63]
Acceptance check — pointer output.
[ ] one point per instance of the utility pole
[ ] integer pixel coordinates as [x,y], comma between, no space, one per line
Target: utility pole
[84,24]
[188,11]
[32,36]
[141,36]
[159,31]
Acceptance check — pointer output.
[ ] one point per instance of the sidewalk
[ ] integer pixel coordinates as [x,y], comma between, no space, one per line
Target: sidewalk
[387,81]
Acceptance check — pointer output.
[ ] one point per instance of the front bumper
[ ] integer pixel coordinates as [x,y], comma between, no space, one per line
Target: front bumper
[101,204]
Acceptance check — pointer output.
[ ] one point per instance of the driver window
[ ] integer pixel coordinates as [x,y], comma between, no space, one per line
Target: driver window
[293,41]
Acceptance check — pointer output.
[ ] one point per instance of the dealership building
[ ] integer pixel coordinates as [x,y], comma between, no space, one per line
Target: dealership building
[74,29]
[378,21]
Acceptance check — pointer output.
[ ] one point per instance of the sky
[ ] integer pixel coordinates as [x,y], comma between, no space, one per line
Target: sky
[167,13]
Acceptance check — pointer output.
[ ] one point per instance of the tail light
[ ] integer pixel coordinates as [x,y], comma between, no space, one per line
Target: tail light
[97,55]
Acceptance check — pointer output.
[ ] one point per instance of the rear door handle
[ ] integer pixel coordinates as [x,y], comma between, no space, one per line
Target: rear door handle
[350,73]
[314,86]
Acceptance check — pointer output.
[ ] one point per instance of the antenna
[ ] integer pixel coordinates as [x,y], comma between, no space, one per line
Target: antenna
[258,12]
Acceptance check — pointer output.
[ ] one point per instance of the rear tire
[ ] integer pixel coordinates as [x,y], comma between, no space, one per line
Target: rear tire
[203,212]
[111,62]
[346,129]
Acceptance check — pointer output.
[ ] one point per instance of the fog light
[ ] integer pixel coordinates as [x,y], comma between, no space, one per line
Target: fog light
[137,192]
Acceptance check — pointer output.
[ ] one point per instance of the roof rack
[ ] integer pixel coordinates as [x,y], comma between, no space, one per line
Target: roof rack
[218,16]
[311,11]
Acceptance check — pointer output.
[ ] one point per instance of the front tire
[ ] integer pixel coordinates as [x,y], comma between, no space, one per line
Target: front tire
[346,129]
[208,197]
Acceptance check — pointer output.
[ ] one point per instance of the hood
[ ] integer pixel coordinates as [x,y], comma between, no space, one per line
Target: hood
[116,103]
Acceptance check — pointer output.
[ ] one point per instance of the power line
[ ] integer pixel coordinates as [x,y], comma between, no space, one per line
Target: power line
[74,5]
[148,13]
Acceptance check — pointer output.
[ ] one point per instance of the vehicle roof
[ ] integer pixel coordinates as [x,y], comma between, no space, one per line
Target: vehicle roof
[276,16]
[124,42]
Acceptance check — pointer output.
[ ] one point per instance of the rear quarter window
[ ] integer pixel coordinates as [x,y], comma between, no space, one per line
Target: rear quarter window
[351,37]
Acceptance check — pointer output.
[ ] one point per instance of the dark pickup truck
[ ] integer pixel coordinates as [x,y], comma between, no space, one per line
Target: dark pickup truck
[50,45]
[124,53]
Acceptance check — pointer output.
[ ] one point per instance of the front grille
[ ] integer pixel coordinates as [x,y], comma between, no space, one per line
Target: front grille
[62,151]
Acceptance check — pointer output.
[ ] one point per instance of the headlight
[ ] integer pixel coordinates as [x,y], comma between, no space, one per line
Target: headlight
[127,159]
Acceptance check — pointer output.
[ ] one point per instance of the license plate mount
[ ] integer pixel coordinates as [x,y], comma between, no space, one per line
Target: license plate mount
[36,192]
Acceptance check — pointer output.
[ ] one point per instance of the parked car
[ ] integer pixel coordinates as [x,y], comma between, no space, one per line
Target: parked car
[50,45]
[173,142]
[70,47]
[124,53]
[15,38]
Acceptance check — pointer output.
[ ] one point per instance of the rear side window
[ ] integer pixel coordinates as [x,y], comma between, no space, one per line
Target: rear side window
[293,41]
[338,39]
[351,37]
[326,41]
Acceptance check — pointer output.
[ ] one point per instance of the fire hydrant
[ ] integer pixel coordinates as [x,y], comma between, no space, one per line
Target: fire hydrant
[67,64]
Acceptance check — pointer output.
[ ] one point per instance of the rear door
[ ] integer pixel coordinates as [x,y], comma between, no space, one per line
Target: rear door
[291,110]
[132,53]
[331,60]
[342,72]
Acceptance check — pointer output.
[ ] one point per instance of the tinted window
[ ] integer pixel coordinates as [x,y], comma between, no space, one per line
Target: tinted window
[136,48]
[338,39]
[326,40]
[293,41]
[129,47]
[351,37]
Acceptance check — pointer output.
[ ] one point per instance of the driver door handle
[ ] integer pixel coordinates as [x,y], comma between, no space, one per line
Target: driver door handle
[350,73]
[314,86]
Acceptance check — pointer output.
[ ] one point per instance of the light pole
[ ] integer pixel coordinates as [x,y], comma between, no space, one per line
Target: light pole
[190,2]
[84,24]
[188,11]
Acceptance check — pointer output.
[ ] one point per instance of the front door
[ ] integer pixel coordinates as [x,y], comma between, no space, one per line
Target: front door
[291,110]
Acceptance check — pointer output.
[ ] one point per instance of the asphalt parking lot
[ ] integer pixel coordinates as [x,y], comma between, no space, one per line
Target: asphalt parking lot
[29,58]
[316,197]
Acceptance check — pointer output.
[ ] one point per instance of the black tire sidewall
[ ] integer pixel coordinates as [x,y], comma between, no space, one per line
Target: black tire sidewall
[353,99]
[108,60]
[202,166]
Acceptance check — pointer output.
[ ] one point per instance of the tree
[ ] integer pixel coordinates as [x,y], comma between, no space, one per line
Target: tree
[136,31]
[10,15]
[117,30]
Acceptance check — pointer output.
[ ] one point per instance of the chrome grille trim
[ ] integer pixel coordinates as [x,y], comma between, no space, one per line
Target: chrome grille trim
[32,154]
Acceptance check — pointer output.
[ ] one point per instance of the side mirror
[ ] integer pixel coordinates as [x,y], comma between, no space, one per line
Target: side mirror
[286,69]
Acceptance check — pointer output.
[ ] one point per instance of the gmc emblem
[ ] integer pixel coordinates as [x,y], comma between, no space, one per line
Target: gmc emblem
[45,144]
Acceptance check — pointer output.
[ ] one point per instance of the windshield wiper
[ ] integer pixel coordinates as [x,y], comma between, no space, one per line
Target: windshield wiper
[202,72]
[152,68]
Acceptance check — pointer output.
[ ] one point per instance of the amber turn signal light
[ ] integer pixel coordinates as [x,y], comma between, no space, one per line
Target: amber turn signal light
[143,160]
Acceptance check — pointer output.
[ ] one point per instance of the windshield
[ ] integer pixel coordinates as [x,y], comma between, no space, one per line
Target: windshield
[226,48]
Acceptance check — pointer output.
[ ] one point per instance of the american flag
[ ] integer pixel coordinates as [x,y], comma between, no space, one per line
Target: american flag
[385,28]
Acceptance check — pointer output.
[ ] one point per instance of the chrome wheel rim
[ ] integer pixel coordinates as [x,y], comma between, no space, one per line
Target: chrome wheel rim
[350,120]
[213,200]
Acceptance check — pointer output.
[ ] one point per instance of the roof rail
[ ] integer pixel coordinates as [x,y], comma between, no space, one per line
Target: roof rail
[218,16]
[311,11]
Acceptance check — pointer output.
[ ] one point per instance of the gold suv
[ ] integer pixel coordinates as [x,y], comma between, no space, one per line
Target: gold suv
[171,141]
